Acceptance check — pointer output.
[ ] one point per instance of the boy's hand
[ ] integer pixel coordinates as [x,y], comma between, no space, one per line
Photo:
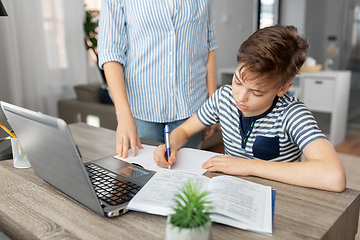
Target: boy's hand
[228,164]
[160,156]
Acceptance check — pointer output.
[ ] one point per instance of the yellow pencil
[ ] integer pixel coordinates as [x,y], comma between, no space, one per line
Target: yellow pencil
[7,130]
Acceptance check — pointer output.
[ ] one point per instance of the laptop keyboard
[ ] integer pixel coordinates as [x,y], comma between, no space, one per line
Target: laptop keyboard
[109,187]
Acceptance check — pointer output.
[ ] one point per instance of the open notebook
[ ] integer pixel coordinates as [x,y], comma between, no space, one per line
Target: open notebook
[236,202]
[188,159]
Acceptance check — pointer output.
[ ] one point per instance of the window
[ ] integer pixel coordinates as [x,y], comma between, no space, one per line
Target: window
[54,30]
[355,27]
[92,4]
[268,13]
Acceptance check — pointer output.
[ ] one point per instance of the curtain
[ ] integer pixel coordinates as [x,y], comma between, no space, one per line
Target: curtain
[42,53]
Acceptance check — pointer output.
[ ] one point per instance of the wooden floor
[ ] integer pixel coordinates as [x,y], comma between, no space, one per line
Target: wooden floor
[351,145]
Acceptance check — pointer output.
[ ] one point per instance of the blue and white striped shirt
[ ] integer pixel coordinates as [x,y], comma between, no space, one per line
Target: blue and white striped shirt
[164,55]
[280,134]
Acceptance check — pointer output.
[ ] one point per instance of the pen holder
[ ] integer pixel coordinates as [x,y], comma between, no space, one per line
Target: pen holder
[19,157]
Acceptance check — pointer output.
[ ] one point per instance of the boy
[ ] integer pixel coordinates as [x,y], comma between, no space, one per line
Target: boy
[263,129]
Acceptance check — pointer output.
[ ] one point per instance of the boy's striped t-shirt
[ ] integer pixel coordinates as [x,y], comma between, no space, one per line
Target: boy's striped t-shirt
[280,134]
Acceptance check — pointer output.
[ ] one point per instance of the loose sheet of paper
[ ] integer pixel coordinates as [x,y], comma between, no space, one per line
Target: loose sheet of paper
[187,159]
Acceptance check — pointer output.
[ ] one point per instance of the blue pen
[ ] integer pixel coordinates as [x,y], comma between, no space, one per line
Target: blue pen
[167,142]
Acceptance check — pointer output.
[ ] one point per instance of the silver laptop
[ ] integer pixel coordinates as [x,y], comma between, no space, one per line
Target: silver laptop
[105,185]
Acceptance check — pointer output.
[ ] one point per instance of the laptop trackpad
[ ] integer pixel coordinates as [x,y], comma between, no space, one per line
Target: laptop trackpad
[121,167]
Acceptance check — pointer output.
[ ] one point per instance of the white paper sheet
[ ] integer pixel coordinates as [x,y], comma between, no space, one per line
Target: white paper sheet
[188,159]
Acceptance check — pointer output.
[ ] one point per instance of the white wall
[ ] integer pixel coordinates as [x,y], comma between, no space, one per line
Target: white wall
[234,24]
[236,21]
[5,93]
[324,18]
[292,12]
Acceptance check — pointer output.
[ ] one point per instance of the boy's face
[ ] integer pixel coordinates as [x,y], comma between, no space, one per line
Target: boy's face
[253,99]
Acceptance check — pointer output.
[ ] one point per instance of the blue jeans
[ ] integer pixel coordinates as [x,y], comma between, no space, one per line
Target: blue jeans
[155,131]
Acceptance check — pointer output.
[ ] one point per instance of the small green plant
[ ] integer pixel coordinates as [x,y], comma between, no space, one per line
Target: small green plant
[191,208]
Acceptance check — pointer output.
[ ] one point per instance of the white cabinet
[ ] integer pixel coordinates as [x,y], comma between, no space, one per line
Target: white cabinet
[318,93]
[323,91]
[328,91]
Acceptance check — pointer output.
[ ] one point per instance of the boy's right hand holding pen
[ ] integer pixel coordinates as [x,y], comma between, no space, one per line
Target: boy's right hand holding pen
[167,143]
[179,137]
[164,152]
[160,156]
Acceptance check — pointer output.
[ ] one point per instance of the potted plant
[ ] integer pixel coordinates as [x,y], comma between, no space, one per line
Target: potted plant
[191,218]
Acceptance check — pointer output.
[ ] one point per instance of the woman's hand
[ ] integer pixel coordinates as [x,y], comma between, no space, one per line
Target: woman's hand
[126,132]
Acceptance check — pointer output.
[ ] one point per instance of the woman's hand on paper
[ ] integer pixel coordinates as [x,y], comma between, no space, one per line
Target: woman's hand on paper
[126,132]
[160,156]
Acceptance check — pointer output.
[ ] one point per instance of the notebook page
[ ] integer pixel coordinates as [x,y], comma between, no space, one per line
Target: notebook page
[188,159]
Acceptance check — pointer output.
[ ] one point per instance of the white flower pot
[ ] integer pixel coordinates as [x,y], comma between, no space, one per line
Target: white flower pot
[173,233]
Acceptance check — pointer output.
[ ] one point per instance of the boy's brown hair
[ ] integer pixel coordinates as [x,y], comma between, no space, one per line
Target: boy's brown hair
[274,54]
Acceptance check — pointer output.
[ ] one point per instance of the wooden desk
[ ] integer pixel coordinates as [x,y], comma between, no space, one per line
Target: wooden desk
[32,209]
